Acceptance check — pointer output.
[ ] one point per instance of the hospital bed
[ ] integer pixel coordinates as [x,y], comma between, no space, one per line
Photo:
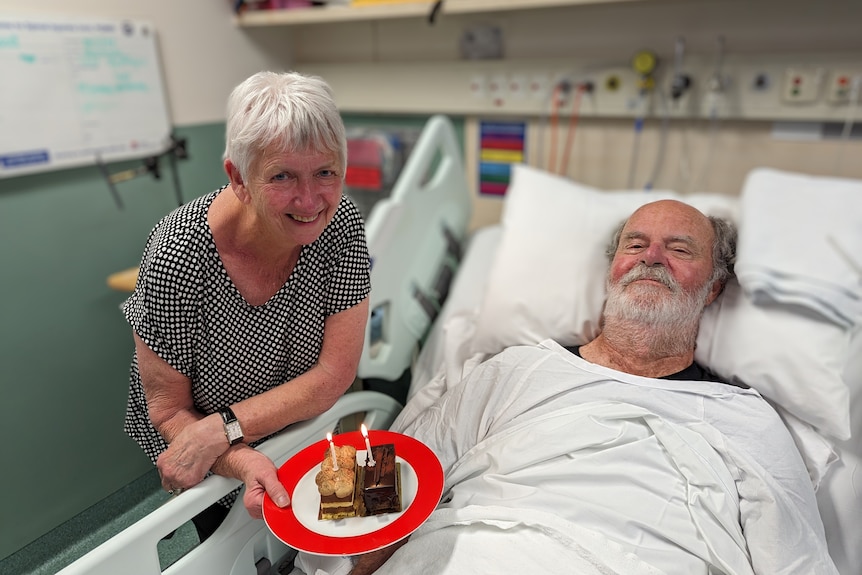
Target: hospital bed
[518,286]
[461,299]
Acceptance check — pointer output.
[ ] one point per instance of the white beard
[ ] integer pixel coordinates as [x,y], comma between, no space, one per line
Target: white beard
[647,307]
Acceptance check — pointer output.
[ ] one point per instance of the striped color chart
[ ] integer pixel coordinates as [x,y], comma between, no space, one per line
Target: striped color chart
[501,144]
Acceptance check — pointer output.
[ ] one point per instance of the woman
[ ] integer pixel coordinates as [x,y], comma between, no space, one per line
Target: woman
[250,308]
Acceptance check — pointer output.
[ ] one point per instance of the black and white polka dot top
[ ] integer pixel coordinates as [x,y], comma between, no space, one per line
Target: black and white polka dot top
[186,309]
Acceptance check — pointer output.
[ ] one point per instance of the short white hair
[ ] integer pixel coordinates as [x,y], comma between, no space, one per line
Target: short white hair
[290,110]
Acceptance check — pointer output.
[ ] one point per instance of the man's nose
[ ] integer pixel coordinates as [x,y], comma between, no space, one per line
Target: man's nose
[654,254]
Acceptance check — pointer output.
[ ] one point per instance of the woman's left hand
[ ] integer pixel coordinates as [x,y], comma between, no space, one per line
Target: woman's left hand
[258,473]
[192,453]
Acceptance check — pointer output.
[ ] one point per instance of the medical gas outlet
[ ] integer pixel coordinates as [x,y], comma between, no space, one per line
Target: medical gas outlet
[801,86]
[843,86]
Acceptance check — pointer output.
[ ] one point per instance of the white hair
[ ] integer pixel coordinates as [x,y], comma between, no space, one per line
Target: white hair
[290,110]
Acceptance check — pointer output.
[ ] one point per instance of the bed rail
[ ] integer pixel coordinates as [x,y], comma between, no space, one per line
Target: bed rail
[240,543]
[414,239]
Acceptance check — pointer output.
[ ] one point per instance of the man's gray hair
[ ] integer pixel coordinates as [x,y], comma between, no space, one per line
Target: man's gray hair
[289,110]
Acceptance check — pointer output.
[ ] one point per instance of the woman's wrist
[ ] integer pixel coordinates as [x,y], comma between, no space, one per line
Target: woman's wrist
[234,461]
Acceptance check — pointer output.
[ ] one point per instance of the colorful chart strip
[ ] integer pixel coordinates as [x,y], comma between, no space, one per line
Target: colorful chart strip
[501,144]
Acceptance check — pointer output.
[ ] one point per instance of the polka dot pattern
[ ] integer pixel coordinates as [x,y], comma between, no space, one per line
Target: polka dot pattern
[186,308]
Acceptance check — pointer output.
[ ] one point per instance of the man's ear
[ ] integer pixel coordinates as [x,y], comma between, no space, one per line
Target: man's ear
[717,288]
[236,182]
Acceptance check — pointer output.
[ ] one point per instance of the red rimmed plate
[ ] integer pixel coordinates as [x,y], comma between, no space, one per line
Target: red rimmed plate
[297,525]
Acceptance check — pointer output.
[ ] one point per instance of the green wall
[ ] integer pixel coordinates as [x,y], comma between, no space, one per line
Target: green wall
[64,345]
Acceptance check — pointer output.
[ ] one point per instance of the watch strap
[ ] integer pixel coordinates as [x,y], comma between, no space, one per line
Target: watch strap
[227,415]
[232,429]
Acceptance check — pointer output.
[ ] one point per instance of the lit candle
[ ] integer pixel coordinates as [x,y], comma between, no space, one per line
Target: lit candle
[332,452]
[369,459]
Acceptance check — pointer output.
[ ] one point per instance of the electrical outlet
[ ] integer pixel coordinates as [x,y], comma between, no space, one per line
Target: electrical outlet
[537,89]
[479,86]
[518,86]
[839,86]
[498,88]
[801,85]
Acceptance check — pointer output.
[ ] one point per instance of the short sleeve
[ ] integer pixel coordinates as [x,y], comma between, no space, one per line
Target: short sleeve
[163,309]
[350,273]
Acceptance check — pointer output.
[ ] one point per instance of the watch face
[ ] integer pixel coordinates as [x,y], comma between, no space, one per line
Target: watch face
[233,430]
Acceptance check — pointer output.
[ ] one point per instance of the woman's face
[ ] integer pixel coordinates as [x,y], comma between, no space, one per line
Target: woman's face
[295,194]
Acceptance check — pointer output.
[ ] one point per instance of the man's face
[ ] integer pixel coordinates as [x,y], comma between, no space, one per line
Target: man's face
[660,272]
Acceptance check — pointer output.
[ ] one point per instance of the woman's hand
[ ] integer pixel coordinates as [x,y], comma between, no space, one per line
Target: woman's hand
[258,473]
[192,453]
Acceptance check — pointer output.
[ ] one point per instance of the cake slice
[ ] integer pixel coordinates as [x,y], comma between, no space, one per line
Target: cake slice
[381,484]
[337,487]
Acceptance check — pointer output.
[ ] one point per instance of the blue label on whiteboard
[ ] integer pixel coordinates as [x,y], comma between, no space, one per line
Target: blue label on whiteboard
[24,159]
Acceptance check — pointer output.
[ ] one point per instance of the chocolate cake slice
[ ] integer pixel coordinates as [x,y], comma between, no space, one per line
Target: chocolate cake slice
[381,484]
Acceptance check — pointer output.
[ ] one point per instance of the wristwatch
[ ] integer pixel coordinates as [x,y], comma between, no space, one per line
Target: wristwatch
[232,430]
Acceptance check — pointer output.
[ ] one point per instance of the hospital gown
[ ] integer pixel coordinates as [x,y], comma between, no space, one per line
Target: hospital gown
[557,465]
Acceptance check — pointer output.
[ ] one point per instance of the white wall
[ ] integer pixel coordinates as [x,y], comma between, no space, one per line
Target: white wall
[204,54]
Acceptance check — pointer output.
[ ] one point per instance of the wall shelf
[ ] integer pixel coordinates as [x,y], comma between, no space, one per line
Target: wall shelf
[417,9]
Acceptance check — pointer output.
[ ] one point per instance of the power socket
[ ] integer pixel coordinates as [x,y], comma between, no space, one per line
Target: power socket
[801,86]
[839,86]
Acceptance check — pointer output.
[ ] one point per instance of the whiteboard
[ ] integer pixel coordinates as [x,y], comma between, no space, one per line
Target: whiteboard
[77,92]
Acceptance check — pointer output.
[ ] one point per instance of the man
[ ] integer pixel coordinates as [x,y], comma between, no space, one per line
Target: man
[668,262]
[622,455]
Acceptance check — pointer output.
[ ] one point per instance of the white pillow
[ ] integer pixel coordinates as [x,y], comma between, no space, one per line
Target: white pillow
[794,358]
[548,281]
[807,257]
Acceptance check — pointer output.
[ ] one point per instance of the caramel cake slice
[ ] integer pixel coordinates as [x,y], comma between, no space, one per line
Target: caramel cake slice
[337,487]
[381,484]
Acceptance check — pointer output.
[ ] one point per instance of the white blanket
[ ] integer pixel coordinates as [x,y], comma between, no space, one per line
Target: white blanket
[556,465]
[800,247]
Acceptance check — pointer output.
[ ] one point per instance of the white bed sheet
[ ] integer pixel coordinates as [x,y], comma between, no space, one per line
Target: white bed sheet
[446,356]
[536,425]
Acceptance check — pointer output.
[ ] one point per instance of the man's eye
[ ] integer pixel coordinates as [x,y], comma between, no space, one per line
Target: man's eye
[327,173]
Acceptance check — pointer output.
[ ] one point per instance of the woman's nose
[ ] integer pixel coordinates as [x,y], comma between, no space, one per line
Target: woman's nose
[304,191]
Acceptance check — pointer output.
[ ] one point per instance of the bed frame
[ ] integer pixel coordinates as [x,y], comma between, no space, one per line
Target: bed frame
[240,544]
[428,211]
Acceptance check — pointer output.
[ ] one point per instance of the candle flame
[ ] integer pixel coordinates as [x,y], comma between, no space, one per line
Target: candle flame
[328,436]
[364,430]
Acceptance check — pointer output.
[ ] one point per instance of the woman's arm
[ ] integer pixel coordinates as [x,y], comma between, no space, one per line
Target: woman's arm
[197,443]
[194,441]
[316,390]
[302,398]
